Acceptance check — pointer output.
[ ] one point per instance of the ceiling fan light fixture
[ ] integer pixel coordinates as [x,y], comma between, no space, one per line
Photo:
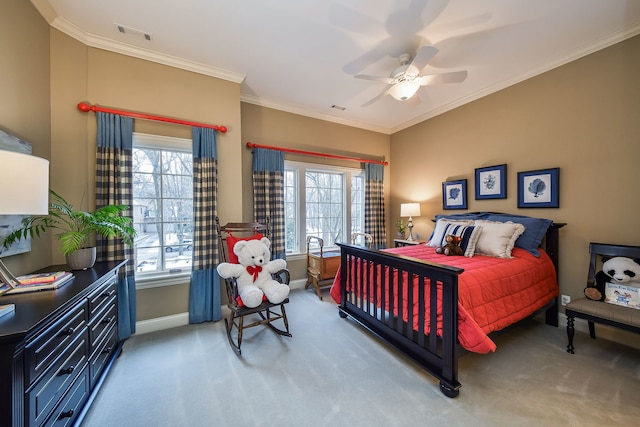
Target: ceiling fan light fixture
[404,90]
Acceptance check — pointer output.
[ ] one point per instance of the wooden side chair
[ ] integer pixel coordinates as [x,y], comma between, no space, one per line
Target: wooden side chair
[322,265]
[264,314]
[593,312]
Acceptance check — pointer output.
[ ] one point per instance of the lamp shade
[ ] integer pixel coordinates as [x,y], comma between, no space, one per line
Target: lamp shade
[24,184]
[404,90]
[410,209]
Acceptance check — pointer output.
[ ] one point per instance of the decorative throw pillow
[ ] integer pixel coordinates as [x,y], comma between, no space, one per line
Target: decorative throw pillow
[439,231]
[231,242]
[468,234]
[534,230]
[498,238]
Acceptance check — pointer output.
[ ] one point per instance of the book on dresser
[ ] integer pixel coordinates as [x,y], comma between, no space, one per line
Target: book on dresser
[39,282]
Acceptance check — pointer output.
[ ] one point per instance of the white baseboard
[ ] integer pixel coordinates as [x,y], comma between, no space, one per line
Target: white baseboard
[160,323]
[298,284]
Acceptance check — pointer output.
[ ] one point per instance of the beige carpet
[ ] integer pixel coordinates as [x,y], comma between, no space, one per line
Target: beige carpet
[333,373]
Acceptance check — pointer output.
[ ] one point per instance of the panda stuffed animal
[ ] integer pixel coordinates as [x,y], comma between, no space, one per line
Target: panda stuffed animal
[620,270]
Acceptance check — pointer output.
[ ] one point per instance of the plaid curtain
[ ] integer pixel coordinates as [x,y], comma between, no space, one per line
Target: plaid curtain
[114,145]
[205,303]
[268,196]
[374,220]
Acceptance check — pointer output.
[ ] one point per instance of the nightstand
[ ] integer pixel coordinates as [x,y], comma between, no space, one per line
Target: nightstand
[401,242]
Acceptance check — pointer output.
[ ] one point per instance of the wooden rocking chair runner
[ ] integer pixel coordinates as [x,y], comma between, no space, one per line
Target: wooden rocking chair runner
[266,313]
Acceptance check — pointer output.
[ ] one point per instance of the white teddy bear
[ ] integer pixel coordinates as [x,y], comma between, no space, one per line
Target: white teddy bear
[253,274]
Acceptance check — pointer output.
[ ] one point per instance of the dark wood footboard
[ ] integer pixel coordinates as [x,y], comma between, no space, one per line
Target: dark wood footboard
[372,286]
[438,355]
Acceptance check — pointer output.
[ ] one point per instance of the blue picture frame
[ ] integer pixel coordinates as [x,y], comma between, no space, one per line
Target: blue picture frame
[454,194]
[539,188]
[491,182]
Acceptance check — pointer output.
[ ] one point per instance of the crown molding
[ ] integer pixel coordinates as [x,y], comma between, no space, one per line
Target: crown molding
[68,28]
[312,114]
[140,53]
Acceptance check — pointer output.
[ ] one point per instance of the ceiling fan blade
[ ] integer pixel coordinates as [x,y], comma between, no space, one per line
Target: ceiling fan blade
[436,79]
[375,98]
[386,80]
[424,55]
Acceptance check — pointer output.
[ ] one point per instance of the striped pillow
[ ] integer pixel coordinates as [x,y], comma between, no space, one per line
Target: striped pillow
[468,234]
[439,231]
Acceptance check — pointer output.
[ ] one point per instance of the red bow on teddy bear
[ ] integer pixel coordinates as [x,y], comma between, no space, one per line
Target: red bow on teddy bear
[255,270]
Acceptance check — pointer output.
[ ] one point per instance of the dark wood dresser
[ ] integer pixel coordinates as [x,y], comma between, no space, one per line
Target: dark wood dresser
[57,347]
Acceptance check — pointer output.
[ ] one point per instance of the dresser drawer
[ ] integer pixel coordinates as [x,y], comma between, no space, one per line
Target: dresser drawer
[100,357]
[101,324]
[102,296]
[45,394]
[47,347]
[67,411]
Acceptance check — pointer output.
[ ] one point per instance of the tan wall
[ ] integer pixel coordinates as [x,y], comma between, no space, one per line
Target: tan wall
[266,126]
[24,100]
[582,117]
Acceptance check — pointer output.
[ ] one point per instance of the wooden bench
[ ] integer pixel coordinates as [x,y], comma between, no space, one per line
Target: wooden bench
[598,311]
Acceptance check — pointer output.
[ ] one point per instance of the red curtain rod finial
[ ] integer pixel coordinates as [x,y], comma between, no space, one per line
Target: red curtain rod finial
[222,129]
[84,107]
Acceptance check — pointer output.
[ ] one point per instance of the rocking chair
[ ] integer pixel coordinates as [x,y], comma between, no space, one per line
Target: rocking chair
[267,312]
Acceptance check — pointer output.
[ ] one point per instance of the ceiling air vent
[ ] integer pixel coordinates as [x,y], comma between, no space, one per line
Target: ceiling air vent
[133,32]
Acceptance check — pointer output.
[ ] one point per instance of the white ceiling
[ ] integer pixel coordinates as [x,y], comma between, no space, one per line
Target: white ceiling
[301,55]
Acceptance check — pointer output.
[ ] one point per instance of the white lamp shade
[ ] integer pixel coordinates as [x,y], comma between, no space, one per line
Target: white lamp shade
[404,90]
[410,209]
[24,184]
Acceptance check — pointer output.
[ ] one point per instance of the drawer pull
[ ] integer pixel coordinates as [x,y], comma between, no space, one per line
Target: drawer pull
[67,371]
[108,319]
[67,332]
[66,414]
[106,350]
[108,294]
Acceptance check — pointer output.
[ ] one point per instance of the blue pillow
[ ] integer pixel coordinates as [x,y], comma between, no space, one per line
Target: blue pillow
[534,230]
[478,215]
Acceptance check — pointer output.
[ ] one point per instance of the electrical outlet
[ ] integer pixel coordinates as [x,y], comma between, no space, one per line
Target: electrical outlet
[565,299]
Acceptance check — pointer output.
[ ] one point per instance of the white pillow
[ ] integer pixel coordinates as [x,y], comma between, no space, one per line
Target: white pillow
[497,238]
[441,227]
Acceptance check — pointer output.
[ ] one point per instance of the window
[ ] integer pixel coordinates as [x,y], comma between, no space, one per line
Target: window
[163,204]
[321,201]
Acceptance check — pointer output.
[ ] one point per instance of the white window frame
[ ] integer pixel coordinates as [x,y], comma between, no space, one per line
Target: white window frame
[300,221]
[166,277]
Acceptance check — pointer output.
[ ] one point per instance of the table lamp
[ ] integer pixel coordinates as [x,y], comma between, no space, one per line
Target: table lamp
[410,210]
[24,190]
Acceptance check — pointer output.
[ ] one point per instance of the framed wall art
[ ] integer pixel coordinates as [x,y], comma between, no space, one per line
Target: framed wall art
[491,182]
[454,194]
[539,188]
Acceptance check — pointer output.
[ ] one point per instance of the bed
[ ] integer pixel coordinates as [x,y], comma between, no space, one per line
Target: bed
[389,293]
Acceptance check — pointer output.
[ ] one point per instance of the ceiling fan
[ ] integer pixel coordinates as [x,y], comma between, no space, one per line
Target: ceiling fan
[405,80]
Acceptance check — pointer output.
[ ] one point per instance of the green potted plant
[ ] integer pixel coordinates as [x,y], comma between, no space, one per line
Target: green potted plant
[401,227]
[76,229]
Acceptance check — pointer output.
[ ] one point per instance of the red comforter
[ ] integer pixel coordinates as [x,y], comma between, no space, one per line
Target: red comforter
[493,292]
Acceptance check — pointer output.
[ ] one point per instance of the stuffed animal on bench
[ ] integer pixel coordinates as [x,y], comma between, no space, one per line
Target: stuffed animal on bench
[253,274]
[618,270]
[452,247]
